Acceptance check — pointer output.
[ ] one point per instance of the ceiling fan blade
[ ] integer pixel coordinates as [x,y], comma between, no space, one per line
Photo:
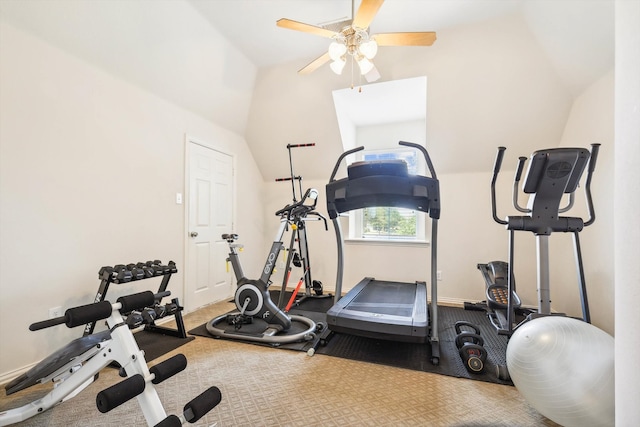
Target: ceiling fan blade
[306,28]
[315,64]
[405,39]
[366,12]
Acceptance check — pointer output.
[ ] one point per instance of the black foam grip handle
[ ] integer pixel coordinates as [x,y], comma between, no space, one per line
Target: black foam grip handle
[499,157]
[203,403]
[117,394]
[168,368]
[87,313]
[311,144]
[521,161]
[47,323]
[170,421]
[136,301]
[594,156]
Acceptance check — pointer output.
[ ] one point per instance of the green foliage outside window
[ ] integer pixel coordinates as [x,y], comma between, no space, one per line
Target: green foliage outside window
[389,222]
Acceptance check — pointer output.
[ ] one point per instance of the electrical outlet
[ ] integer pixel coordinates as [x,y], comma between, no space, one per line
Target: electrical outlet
[439,275]
[55,312]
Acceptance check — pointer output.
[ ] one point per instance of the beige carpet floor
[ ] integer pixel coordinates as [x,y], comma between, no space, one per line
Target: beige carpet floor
[274,387]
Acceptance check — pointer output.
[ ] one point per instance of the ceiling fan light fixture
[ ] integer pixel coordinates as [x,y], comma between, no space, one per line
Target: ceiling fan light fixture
[337,50]
[338,65]
[369,49]
[365,65]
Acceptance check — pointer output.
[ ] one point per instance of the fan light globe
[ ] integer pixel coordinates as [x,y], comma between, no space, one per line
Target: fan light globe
[336,50]
[369,49]
[365,65]
[337,66]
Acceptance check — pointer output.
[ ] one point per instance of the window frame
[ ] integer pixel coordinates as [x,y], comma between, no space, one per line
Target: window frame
[356,217]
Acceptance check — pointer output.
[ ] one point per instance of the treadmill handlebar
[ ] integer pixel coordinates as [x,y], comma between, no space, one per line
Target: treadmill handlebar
[419,147]
[342,156]
[427,159]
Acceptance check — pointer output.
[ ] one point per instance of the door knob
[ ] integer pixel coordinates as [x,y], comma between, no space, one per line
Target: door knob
[194,234]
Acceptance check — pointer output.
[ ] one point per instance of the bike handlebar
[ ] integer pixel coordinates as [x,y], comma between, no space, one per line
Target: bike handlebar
[311,193]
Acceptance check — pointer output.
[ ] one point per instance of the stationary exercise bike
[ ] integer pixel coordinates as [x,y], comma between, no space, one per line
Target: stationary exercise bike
[551,174]
[252,299]
[75,366]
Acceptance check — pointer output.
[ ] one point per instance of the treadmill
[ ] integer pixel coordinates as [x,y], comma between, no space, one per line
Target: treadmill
[395,311]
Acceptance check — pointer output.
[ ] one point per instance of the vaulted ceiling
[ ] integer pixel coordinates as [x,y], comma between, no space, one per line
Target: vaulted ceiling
[531,59]
[501,72]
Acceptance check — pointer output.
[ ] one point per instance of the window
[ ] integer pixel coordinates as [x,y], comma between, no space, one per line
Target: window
[388,223]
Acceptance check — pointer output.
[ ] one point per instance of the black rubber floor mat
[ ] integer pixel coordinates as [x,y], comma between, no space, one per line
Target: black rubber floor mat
[319,303]
[156,345]
[417,356]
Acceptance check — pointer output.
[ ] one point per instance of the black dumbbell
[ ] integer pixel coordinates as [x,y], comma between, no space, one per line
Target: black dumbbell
[137,273]
[121,273]
[172,267]
[148,315]
[105,272]
[161,310]
[171,308]
[470,347]
[134,319]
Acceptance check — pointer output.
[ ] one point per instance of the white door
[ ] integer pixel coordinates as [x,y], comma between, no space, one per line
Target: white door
[210,198]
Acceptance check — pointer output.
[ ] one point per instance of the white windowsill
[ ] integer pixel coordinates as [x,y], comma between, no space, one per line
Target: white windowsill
[386,242]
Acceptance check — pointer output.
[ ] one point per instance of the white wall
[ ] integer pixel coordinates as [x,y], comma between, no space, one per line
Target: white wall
[89,170]
[626,202]
[468,235]
[591,121]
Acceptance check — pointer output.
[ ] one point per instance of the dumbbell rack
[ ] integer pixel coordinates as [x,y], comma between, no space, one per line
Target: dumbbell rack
[121,273]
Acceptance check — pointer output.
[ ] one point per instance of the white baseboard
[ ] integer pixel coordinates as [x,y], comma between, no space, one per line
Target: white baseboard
[8,376]
[452,302]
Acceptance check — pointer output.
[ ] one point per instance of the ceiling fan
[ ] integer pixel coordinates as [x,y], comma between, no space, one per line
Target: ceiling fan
[354,40]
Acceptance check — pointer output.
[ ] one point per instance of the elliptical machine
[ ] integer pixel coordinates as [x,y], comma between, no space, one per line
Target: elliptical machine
[300,256]
[550,175]
[252,297]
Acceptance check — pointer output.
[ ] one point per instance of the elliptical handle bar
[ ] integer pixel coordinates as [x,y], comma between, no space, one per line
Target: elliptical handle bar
[521,161]
[498,162]
[516,181]
[432,171]
[587,187]
[83,314]
[342,156]
[496,169]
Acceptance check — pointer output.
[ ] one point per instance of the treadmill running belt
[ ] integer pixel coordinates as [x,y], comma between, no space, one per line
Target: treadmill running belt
[395,311]
[391,298]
